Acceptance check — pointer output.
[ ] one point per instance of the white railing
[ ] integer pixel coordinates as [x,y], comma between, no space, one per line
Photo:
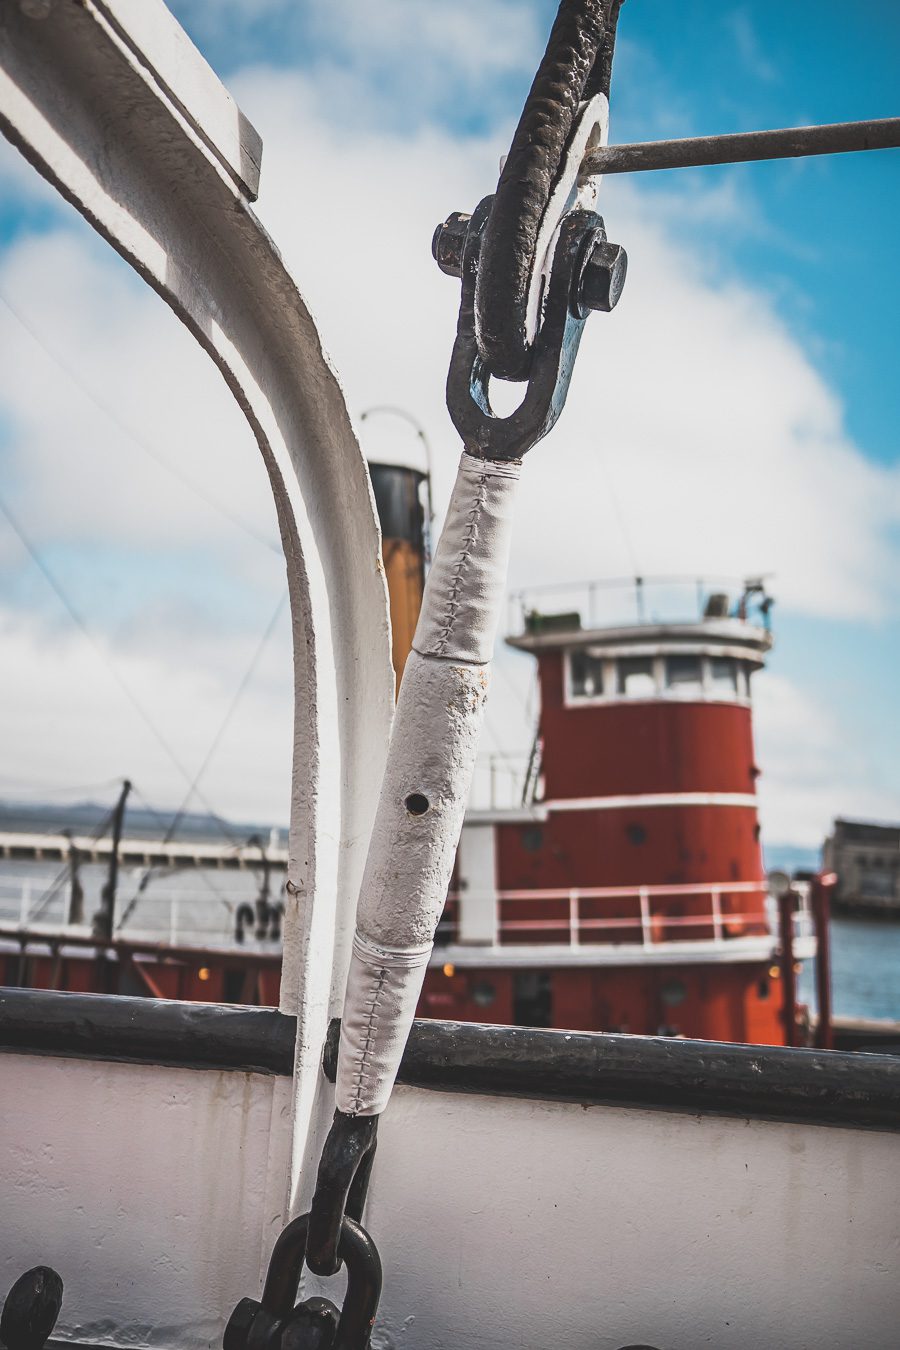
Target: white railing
[640,600]
[188,916]
[196,916]
[656,914]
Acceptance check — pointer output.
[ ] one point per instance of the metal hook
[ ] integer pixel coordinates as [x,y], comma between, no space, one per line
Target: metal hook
[342,1183]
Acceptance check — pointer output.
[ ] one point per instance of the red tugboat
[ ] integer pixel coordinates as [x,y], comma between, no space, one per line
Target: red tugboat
[630,894]
[626,893]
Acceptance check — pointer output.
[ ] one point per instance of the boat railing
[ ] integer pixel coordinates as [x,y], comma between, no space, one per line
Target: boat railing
[629,601]
[186,915]
[574,917]
[613,915]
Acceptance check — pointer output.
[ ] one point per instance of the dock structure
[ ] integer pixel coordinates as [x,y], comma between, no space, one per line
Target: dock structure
[25,846]
[865,854]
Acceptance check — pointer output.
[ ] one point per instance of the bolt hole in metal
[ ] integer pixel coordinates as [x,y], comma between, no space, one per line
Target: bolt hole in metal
[417,804]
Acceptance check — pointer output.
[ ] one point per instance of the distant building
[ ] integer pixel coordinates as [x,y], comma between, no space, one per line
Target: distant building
[866,858]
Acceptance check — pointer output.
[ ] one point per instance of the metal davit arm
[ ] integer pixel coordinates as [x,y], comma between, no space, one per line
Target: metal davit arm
[112,105]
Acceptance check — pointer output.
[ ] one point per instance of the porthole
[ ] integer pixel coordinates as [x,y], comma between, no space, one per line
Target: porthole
[673,992]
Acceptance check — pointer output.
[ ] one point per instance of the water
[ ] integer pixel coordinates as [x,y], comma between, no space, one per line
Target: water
[865,969]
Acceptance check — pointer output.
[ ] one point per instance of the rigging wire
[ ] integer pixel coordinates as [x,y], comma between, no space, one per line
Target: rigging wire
[214,745]
[136,439]
[116,674]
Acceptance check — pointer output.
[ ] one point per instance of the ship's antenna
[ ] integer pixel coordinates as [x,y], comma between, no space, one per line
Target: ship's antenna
[76,890]
[103,919]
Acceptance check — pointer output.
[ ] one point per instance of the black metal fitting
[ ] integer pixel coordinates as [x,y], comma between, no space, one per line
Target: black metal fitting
[31,1309]
[275,1323]
[602,281]
[553,352]
[604,277]
[341,1186]
[448,242]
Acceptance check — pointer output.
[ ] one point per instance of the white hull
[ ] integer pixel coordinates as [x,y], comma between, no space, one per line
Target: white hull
[157,1192]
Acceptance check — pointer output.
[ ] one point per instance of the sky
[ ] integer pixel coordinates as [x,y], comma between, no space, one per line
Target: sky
[735,415]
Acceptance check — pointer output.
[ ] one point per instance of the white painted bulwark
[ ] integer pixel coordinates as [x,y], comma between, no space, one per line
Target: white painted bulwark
[476,863]
[156,1193]
[590,1228]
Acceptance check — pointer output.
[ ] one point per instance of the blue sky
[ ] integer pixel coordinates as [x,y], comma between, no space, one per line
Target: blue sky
[776,285]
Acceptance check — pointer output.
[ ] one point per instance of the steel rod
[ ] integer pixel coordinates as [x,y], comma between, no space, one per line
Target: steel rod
[837,138]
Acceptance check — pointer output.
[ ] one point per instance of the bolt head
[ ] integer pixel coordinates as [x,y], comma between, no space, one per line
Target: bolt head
[604,276]
[448,243]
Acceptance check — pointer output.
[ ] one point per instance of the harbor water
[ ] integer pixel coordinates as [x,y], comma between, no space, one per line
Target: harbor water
[865,969]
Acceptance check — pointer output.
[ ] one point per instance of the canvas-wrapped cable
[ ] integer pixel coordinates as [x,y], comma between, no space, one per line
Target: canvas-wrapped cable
[426,782]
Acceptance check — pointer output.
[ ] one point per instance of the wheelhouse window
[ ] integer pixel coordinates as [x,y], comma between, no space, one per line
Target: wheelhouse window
[635,677]
[586,675]
[679,675]
[723,677]
[684,675]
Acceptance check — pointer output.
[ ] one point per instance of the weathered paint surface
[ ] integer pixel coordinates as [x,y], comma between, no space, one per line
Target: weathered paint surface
[155,1192]
[521,1224]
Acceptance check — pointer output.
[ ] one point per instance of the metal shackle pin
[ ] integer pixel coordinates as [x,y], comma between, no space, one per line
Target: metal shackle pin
[602,279]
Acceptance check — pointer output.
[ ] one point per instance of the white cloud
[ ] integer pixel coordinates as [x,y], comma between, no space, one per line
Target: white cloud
[750,48]
[726,448]
[812,772]
[66,720]
[409,60]
[121,348]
